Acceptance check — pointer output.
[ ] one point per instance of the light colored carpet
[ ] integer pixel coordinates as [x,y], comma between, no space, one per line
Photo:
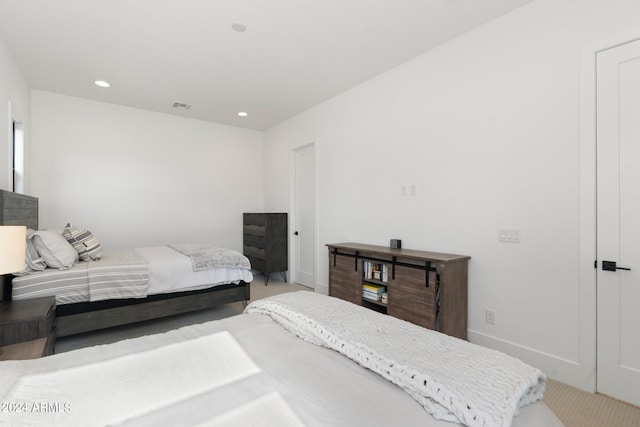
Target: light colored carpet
[577,408]
[574,407]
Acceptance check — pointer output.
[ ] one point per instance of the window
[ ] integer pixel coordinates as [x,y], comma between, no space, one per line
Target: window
[18,156]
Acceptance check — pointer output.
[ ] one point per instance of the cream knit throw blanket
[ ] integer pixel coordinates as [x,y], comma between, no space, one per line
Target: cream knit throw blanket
[452,379]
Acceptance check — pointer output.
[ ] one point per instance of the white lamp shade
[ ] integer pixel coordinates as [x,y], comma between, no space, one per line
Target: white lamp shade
[13,240]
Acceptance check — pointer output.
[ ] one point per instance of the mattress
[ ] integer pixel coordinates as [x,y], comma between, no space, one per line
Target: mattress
[320,386]
[169,271]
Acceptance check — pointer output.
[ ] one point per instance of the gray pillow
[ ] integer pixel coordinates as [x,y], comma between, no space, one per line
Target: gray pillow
[84,242]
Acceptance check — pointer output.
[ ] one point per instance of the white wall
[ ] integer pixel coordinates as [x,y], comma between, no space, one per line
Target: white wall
[139,178]
[488,129]
[14,104]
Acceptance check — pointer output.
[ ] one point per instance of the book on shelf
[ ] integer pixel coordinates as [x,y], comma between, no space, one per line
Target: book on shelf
[372,291]
[371,296]
[372,287]
[375,271]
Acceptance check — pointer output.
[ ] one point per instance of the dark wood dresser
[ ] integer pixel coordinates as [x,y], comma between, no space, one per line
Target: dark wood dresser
[265,243]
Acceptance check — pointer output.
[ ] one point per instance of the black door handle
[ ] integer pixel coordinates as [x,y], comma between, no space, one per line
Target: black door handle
[295,232]
[611,266]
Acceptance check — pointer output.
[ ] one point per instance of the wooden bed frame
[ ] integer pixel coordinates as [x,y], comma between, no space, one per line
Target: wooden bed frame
[19,209]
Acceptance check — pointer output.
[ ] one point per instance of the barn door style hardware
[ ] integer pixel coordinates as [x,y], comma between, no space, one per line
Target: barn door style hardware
[429,266]
[611,266]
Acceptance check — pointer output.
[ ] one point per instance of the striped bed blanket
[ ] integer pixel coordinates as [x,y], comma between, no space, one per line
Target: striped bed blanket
[454,380]
[206,257]
[118,274]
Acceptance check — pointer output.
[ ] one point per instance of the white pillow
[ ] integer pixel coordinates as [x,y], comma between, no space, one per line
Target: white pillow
[54,249]
[33,260]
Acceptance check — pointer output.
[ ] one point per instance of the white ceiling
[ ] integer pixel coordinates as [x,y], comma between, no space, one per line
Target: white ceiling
[293,55]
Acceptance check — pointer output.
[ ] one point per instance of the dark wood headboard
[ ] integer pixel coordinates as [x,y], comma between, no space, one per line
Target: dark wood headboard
[18,209]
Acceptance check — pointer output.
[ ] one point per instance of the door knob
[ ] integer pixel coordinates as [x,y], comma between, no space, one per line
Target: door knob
[295,232]
[611,266]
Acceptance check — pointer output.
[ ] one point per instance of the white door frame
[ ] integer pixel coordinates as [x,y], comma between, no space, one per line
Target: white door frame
[586,378]
[292,212]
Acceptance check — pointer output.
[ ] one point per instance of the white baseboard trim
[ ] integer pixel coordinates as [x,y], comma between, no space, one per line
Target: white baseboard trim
[321,288]
[555,367]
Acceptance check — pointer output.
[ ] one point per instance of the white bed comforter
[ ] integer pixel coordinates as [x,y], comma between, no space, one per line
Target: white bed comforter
[452,379]
[315,385]
[113,390]
[171,271]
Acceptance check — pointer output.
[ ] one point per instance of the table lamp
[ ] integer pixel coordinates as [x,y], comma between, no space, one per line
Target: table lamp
[13,240]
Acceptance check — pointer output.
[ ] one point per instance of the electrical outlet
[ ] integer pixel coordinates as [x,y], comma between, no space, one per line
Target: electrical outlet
[490,316]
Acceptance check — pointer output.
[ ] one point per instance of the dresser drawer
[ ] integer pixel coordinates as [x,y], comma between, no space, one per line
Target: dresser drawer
[256,230]
[257,263]
[254,240]
[252,251]
[254,219]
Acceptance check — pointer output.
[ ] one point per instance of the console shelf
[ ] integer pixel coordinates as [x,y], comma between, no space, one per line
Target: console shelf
[425,288]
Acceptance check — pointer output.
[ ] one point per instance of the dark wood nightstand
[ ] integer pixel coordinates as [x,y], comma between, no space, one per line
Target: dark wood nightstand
[25,350]
[27,328]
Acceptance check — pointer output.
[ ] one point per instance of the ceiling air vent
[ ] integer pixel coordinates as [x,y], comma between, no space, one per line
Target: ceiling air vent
[181,106]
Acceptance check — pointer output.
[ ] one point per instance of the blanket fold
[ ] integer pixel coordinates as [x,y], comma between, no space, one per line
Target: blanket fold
[206,257]
[114,390]
[452,379]
[118,274]
[270,410]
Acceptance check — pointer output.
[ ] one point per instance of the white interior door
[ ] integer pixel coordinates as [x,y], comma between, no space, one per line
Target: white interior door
[305,215]
[618,222]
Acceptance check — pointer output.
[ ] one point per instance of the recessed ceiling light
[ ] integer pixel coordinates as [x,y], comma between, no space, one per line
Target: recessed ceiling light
[242,114]
[102,83]
[239,27]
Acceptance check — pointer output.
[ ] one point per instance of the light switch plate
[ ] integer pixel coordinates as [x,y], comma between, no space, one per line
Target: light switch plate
[509,235]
